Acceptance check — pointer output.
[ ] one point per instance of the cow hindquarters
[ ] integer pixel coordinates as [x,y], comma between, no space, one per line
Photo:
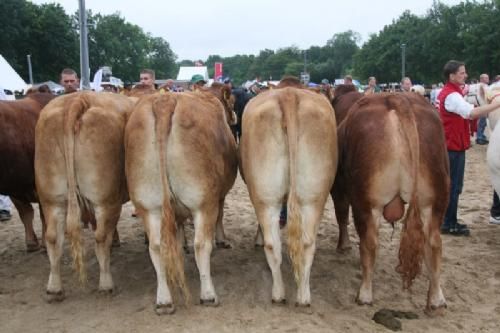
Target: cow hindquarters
[493,158]
[107,219]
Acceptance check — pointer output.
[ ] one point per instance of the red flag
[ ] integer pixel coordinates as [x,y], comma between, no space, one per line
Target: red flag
[218,71]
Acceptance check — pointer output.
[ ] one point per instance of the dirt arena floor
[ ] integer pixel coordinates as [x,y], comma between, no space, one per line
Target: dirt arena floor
[470,279]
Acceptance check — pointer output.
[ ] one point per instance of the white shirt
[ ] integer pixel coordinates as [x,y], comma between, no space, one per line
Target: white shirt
[456,103]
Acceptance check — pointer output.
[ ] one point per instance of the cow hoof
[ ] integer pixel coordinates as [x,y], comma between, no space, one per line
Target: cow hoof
[435,311]
[106,292]
[344,249]
[363,302]
[279,301]
[302,305]
[53,297]
[161,309]
[32,247]
[223,245]
[213,302]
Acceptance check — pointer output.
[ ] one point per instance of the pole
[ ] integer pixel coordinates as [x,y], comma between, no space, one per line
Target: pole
[84,48]
[30,72]
[305,61]
[403,60]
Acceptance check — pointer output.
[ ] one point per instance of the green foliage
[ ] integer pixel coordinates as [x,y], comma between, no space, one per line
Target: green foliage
[467,32]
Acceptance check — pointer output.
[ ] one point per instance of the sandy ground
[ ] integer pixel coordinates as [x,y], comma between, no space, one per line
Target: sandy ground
[470,279]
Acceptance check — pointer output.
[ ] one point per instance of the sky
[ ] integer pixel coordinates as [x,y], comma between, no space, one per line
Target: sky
[198,28]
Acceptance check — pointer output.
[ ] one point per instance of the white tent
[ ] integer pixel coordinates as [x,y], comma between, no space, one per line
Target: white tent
[9,79]
[186,72]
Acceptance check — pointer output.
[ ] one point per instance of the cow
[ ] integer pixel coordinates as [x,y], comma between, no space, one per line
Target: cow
[17,148]
[79,165]
[392,152]
[181,162]
[492,95]
[288,153]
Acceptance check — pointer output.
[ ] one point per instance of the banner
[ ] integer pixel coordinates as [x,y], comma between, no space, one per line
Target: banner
[218,71]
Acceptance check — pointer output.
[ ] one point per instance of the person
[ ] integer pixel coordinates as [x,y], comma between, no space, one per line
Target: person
[348,79]
[455,113]
[5,203]
[69,80]
[372,86]
[481,124]
[147,78]
[406,84]
[497,79]
[197,81]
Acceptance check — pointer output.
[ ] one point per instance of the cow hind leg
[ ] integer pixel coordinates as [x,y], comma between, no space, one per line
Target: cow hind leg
[152,221]
[55,218]
[432,256]
[107,219]
[342,215]
[204,223]
[367,226]
[268,217]
[311,216]
[220,237]
[26,213]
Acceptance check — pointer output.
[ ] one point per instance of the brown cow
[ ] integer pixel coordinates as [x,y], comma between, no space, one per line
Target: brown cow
[79,163]
[181,162]
[391,152]
[17,148]
[288,153]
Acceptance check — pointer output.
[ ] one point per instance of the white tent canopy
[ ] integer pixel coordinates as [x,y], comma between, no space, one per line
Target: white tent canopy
[9,79]
[186,72]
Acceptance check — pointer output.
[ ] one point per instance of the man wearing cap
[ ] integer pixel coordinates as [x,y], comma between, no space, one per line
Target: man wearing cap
[197,81]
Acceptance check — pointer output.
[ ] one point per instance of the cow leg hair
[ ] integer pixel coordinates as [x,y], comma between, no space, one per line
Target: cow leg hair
[436,302]
[220,237]
[311,216]
[268,218]
[164,304]
[368,244]
[54,240]
[26,213]
[204,223]
[107,218]
[341,204]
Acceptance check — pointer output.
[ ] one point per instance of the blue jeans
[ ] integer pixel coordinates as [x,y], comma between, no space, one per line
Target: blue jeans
[481,125]
[457,170]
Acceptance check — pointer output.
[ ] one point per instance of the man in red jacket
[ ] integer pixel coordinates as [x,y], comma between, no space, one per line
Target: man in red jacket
[455,113]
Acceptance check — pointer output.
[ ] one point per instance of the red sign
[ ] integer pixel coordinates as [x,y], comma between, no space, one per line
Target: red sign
[218,71]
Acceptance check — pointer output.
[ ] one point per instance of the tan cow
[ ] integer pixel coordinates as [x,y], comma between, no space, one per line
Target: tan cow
[181,162]
[392,152]
[288,153]
[79,163]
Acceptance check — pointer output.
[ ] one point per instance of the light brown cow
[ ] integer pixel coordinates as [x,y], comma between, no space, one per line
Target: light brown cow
[288,153]
[392,152]
[79,162]
[17,148]
[181,162]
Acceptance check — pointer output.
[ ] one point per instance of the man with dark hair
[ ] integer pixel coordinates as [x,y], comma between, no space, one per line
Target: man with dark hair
[69,80]
[455,113]
[147,78]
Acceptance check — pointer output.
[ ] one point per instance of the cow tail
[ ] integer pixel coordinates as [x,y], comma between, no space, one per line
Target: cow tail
[294,224]
[72,122]
[411,247]
[163,110]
